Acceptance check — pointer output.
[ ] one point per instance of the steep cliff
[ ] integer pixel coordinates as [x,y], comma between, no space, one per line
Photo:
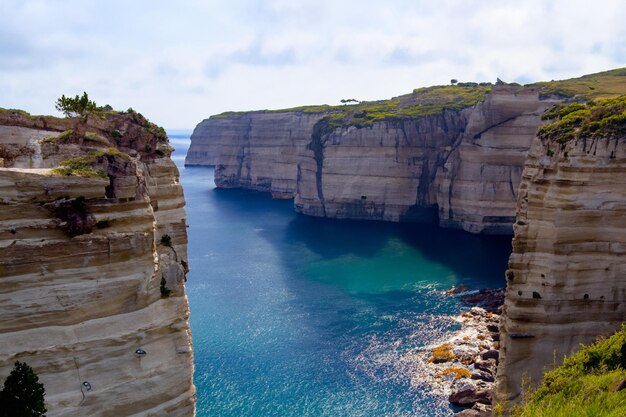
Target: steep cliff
[435,160]
[567,279]
[257,151]
[92,226]
[438,153]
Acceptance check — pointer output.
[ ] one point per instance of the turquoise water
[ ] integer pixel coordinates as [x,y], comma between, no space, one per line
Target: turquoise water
[297,316]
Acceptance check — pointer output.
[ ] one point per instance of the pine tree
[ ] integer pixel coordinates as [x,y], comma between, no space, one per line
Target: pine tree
[23,394]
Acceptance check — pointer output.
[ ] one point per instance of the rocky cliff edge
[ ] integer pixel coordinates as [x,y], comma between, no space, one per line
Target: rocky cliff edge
[92,264]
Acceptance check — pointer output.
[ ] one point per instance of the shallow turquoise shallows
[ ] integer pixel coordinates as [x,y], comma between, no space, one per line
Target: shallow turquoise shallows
[298,316]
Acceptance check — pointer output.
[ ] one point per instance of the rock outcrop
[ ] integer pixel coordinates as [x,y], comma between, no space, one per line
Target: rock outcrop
[439,167]
[85,249]
[567,279]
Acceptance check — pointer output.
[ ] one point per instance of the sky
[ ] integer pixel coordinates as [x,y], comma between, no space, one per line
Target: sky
[180,61]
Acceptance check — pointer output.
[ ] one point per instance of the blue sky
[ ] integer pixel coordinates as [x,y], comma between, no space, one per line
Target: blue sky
[180,61]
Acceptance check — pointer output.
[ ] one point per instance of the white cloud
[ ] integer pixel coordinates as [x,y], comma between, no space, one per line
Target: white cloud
[179,62]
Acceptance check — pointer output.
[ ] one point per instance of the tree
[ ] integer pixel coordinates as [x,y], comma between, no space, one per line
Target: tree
[454,81]
[23,394]
[76,106]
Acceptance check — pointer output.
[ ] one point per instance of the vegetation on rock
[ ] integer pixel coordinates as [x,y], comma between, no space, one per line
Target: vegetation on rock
[457,372]
[596,119]
[166,240]
[76,106]
[591,382]
[62,137]
[588,87]
[84,165]
[23,394]
[442,353]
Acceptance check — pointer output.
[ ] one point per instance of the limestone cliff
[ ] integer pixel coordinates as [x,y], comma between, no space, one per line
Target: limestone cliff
[257,151]
[85,207]
[453,154]
[567,279]
[438,165]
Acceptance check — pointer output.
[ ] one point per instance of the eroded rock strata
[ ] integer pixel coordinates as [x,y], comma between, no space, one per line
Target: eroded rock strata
[567,279]
[83,259]
[439,167]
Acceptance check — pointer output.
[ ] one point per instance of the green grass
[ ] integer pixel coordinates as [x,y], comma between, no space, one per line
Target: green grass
[584,385]
[430,101]
[592,86]
[22,112]
[595,119]
[62,137]
[83,165]
[425,101]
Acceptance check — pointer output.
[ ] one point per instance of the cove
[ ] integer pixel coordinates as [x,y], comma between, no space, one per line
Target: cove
[299,316]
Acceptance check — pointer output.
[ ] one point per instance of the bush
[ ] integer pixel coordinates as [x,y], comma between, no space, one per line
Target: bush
[23,394]
[166,240]
[76,106]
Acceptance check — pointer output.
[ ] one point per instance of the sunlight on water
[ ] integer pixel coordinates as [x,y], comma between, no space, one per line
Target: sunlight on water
[298,316]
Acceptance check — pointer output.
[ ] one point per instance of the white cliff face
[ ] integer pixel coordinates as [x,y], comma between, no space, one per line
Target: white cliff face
[476,188]
[256,151]
[81,263]
[567,279]
[382,172]
[432,168]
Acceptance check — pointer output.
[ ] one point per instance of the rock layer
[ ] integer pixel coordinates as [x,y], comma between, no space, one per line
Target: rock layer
[428,168]
[81,265]
[567,279]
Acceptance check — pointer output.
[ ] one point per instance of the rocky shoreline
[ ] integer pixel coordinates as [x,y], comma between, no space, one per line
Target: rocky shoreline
[464,366]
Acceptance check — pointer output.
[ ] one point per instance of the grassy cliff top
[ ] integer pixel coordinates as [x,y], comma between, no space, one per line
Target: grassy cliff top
[425,101]
[430,101]
[585,385]
[595,119]
[592,86]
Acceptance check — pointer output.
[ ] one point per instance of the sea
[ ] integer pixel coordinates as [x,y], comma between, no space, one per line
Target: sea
[295,316]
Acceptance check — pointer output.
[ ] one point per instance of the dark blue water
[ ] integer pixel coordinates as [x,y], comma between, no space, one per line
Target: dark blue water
[297,316]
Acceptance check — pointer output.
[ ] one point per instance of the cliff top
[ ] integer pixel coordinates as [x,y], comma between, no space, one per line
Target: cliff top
[79,144]
[597,118]
[428,101]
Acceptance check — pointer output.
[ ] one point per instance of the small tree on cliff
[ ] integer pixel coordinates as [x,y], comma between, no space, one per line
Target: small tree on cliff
[23,394]
[76,106]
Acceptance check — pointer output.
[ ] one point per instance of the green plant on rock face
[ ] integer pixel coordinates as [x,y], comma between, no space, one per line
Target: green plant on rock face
[166,240]
[23,394]
[60,138]
[76,106]
[165,292]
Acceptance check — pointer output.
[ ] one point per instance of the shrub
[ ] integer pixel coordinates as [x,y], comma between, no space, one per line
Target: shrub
[23,394]
[166,240]
[76,106]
